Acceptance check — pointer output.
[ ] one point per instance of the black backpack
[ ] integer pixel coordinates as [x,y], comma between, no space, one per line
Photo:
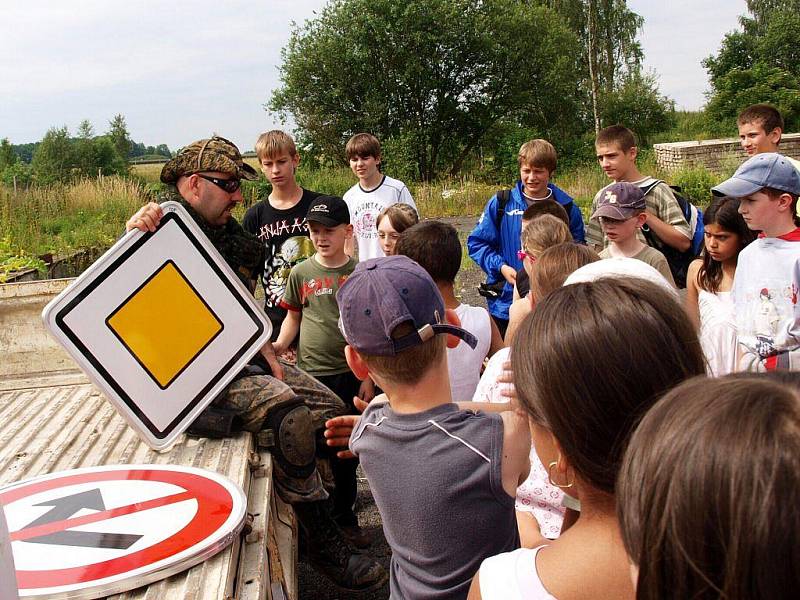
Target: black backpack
[678,261]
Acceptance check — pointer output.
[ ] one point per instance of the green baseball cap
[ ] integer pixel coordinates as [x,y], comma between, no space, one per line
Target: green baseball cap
[212,154]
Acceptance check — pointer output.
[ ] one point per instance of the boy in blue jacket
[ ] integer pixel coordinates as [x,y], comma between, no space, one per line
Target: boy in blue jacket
[494,242]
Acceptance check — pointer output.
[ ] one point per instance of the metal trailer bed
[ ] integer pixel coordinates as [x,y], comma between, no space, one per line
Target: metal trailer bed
[53,419]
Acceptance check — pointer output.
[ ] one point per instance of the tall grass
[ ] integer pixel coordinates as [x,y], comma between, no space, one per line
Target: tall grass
[59,218]
[92,213]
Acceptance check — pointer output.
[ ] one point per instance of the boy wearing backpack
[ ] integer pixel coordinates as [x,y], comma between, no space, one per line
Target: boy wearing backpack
[494,242]
[666,227]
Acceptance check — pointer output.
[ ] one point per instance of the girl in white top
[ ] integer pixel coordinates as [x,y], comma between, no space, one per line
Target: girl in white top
[585,385]
[709,282]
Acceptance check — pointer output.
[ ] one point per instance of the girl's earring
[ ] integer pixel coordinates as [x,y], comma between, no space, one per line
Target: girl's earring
[563,486]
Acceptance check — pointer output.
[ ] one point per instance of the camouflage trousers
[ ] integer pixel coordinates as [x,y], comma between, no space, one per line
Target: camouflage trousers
[252,397]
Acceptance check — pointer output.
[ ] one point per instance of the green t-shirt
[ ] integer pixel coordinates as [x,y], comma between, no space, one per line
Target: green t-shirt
[312,289]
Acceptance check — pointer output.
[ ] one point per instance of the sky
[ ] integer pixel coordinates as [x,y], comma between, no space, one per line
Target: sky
[181,70]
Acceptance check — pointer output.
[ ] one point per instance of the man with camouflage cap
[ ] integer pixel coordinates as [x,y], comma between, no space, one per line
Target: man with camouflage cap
[283,405]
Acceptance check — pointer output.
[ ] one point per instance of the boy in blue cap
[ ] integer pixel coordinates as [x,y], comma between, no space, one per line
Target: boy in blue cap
[767,281]
[444,479]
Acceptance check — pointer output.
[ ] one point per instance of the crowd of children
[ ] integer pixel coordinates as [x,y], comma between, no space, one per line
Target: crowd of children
[578,439]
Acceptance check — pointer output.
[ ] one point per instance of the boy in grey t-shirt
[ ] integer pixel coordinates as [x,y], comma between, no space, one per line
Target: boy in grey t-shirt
[438,474]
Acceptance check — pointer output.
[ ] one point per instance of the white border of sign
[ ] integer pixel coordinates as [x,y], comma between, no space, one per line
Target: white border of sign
[131,389]
[208,547]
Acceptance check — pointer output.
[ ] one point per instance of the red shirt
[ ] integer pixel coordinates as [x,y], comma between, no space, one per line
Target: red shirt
[792,236]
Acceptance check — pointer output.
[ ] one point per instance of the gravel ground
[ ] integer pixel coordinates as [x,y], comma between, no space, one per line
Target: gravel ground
[317,587]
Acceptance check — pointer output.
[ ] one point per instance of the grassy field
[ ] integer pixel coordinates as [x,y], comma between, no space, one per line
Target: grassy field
[91,213]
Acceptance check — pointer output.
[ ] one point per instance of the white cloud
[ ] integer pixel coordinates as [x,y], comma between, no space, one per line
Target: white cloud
[179,70]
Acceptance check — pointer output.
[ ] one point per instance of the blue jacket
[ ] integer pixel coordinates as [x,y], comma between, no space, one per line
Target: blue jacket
[491,249]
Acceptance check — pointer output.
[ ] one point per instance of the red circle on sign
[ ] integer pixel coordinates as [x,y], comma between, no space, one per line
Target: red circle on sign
[214,501]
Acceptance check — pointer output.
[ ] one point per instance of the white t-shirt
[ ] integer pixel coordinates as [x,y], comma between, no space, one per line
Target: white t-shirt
[765,296]
[512,576]
[464,363]
[366,206]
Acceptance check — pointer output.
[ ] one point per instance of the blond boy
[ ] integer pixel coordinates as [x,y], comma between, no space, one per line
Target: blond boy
[494,242]
[279,220]
[373,193]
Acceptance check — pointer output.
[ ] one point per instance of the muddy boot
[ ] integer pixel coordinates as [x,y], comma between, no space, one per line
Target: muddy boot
[332,555]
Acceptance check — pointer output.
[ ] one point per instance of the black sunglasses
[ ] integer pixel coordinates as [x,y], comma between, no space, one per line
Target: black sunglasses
[229,185]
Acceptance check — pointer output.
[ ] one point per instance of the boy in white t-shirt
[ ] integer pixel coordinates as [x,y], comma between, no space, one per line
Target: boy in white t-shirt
[767,280]
[373,192]
[436,248]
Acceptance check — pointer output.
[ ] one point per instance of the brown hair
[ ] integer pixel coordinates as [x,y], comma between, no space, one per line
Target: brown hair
[708,492]
[538,153]
[400,215]
[410,365]
[555,264]
[618,135]
[363,144]
[272,144]
[544,231]
[545,207]
[592,358]
[761,114]
[435,247]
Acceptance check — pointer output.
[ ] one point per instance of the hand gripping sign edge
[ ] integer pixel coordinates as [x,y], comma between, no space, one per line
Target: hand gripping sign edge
[218,519]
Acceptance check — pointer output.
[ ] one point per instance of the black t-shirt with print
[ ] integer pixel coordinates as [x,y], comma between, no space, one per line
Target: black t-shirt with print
[284,233]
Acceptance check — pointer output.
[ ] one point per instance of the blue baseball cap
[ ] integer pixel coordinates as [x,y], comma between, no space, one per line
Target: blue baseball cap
[385,292]
[768,169]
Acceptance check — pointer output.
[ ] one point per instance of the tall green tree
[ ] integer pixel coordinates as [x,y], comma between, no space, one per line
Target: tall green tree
[7,155]
[608,31]
[432,75]
[118,132]
[758,63]
[53,159]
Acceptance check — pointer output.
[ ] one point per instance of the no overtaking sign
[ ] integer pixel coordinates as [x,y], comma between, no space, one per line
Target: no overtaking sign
[92,532]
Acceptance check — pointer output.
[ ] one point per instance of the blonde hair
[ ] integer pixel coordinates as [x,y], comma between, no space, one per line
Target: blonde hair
[557,263]
[538,153]
[410,365]
[272,144]
[543,232]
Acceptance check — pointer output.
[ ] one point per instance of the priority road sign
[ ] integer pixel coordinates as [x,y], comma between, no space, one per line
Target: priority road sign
[93,532]
[161,324]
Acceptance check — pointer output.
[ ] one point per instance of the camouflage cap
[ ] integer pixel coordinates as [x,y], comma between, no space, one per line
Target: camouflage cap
[212,154]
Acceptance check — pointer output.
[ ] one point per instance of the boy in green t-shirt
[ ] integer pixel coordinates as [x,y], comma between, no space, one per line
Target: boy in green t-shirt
[310,302]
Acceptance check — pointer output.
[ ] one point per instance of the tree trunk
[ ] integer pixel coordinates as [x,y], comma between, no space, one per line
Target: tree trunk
[592,29]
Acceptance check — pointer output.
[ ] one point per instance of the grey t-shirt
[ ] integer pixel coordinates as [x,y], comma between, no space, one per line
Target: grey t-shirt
[436,478]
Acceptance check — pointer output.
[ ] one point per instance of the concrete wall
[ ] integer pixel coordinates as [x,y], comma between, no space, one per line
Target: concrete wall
[714,154]
[26,347]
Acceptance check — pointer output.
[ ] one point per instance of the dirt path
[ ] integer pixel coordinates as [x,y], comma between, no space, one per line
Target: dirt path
[317,587]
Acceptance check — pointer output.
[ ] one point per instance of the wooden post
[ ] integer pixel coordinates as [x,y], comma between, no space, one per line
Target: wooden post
[15,185]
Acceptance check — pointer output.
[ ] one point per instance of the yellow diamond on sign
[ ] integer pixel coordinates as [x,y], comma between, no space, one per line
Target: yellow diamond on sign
[165,346]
